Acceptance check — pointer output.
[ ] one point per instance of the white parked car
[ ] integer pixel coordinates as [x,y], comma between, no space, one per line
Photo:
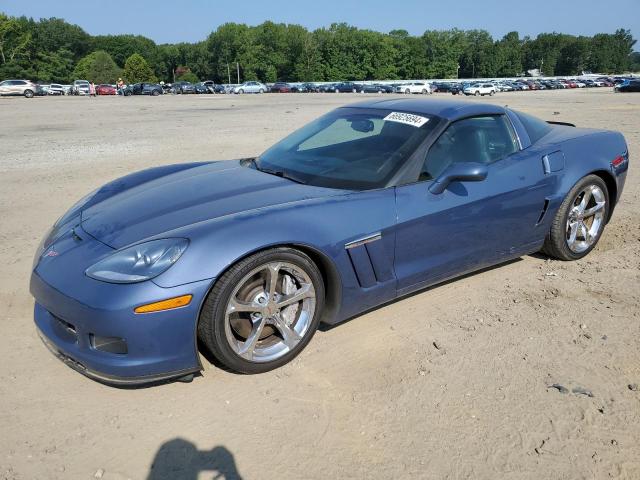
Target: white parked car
[414,87]
[480,89]
[55,89]
[250,87]
[580,84]
[80,87]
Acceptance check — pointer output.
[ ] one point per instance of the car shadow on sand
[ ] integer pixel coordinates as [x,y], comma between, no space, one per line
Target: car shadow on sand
[180,459]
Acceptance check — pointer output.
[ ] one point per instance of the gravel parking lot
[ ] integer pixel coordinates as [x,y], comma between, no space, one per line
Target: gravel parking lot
[453,382]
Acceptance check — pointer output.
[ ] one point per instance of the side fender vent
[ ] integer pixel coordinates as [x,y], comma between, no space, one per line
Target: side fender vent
[545,207]
[369,260]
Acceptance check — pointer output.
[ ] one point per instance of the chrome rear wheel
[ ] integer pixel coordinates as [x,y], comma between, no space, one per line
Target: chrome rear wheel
[586,218]
[579,221]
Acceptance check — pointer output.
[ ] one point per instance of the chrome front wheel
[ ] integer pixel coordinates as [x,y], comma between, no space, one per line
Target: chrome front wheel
[263,311]
[269,311]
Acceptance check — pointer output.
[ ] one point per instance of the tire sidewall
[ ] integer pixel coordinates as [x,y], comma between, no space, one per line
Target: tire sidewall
[566,209]
[215,305]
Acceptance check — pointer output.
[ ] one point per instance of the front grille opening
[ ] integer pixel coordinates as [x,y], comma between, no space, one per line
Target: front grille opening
[67,326]
[64,330]
[114,345]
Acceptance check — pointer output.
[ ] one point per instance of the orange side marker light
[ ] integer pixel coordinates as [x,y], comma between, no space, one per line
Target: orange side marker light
[167,304]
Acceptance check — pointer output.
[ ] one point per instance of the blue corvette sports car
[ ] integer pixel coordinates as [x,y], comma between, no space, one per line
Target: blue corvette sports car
[368,203]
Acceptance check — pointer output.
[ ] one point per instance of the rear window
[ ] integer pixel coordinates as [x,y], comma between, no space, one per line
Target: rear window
[535,127]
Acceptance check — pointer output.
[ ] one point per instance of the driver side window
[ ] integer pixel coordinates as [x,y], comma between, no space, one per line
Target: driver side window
[485,139]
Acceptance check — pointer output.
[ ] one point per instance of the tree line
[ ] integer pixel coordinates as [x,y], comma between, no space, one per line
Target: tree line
[52,50]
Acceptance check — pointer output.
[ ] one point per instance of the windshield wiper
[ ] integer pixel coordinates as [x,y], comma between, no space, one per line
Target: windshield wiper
[281,174]
[277,173]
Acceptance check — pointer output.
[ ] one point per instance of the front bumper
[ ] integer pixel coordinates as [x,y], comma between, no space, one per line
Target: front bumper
[105,378]
[80,319]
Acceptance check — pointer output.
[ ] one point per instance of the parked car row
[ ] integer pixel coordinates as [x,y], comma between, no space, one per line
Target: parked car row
[29,89]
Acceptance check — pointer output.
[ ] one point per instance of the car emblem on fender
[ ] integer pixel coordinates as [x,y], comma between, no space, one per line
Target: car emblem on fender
[51,253]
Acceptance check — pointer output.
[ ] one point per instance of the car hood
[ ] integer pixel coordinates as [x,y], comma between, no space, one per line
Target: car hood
[189,196]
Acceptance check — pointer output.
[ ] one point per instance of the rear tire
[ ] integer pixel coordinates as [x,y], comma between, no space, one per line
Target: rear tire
[241,323]
[28,93]
[562,242]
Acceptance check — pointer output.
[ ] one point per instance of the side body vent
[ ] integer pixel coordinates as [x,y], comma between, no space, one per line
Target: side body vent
[370,261]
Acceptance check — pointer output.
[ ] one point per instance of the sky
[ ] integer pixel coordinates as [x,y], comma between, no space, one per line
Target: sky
[193,20]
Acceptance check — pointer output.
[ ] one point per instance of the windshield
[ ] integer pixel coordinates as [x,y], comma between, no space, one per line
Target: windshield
[348,148]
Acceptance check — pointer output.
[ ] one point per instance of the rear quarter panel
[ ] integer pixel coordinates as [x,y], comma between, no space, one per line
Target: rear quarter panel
[589,152]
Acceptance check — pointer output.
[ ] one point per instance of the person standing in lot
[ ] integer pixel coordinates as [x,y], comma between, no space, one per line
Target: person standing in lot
[120,86]
[92,89]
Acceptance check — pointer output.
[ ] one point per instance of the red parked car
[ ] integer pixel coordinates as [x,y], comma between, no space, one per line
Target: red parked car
[105,89]
[280,87]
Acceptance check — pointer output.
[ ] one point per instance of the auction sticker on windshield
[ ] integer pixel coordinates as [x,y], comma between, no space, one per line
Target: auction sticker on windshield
[406,118]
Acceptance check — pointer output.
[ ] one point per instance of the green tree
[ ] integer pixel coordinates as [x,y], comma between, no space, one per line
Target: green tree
[55,66]
[54,34]
[610,53]
[97,67]
[443,50]
[574,57]
[188,77]
[15,39]
[121,47]
[479,59]
[136,69]
[634,62]
[308,61]
[509,55]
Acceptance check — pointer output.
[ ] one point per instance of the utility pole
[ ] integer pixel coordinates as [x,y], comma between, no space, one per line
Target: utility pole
[238,70]
[228,73]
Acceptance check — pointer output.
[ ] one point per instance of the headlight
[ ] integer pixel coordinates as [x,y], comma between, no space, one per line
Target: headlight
[139,262]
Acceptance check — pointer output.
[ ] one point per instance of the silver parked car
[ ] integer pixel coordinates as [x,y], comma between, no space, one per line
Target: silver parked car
[250,87]
[80,87]
[18,87]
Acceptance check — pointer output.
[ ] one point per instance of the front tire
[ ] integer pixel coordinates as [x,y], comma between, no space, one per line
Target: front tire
[580,220]
[263,311]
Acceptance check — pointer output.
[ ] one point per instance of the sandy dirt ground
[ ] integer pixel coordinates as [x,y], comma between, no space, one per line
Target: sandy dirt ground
[450,383]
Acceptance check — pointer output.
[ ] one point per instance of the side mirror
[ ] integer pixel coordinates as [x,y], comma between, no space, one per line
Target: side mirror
[459,172]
